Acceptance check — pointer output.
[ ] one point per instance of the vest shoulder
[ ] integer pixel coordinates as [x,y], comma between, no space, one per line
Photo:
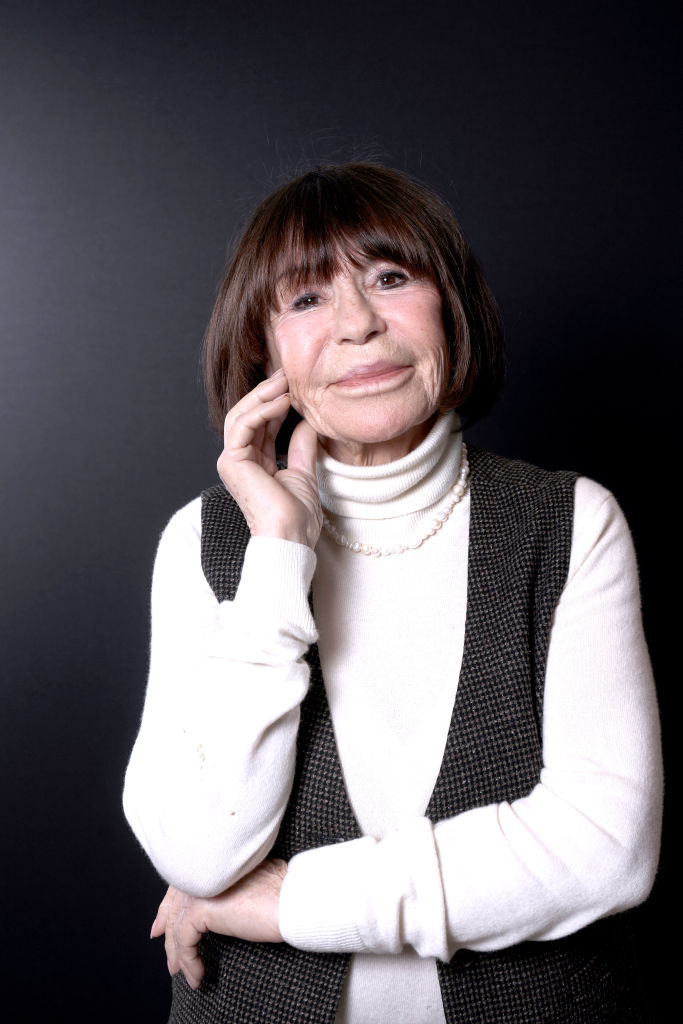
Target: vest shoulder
[220,513]
[487,467]
[217,492]
[224,538]
[218,498]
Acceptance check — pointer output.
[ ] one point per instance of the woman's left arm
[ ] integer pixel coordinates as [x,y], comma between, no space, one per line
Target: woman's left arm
[582,845]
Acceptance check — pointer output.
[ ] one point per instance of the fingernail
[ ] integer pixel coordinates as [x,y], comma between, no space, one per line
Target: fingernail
[168,964]
[152,928]
[278,373]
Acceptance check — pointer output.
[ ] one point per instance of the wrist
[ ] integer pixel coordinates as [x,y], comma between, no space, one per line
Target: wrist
[283,531]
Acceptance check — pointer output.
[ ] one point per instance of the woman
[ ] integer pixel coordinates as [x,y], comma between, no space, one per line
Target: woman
[448,827]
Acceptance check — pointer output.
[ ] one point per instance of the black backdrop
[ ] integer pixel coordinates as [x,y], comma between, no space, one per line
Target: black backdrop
[135,138]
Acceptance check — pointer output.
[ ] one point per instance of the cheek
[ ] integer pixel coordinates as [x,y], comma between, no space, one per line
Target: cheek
[298,351]
[306,398]
[436,360]
[284,345]
[290,359]
[442,362]
[293,355]
[286,348]
[435,378]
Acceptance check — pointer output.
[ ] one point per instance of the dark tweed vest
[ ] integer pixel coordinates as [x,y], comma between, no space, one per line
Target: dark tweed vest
[519,544]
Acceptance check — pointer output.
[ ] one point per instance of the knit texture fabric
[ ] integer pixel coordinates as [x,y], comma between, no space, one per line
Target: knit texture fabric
[519,545]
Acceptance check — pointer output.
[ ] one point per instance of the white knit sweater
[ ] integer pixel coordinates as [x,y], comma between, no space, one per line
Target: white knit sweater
[212,767]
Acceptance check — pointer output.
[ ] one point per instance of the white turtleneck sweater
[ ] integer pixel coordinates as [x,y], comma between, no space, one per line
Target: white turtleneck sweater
[212,767]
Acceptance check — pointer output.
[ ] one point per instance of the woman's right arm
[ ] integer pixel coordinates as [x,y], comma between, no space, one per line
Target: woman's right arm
[212,767]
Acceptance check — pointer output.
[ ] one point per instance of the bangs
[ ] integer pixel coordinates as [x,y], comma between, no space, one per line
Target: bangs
[321,222]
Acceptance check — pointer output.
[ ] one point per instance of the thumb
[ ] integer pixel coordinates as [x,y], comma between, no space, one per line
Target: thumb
[303,449]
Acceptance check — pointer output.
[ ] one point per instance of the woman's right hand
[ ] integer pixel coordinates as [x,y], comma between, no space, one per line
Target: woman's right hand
[276,503]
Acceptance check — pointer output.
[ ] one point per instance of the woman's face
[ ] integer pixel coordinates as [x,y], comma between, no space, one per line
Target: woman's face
[365,356]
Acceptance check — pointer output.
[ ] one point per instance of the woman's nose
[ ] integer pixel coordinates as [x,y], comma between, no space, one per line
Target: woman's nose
[358,319]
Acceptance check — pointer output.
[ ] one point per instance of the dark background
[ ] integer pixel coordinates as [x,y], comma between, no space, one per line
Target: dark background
[135,139]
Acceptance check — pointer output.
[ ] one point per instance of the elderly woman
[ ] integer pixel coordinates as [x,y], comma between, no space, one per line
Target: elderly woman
[399,754]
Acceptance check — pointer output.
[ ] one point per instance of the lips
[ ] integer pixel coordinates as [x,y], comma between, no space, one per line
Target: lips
[368,373]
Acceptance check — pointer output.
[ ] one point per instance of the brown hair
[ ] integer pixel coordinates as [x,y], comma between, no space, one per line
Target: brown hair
[350,211]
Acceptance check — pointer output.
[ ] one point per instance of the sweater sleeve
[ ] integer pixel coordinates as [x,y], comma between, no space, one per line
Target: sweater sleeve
[582,845]
[212,767]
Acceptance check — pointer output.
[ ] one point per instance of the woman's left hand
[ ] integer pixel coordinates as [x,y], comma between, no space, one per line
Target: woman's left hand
[247,910]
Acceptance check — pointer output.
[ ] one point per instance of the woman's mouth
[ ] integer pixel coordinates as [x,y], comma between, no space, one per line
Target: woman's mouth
[371,373]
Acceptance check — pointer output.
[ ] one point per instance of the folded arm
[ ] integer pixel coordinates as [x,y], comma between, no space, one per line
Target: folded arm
[212,767]
[583,844]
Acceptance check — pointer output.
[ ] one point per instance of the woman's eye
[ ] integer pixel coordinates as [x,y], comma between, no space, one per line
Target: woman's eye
[306,301]
[391,278]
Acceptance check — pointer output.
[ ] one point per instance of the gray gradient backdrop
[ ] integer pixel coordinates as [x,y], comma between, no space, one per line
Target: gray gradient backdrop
[135,139]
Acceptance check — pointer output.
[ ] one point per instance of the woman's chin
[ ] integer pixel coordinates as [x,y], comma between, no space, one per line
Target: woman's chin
[376,441]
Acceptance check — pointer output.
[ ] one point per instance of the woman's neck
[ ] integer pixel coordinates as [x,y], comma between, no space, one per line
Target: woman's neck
[402,487]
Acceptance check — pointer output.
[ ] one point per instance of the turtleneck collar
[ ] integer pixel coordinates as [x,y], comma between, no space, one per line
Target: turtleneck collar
[406,486]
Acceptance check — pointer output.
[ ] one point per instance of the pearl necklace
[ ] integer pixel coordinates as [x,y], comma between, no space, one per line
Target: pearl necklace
[455,495]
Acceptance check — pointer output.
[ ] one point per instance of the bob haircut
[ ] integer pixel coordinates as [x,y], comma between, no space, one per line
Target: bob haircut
[349,212]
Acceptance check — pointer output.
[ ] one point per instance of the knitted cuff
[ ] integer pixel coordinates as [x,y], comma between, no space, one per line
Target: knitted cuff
[276,580]
[368,896]
[321,901]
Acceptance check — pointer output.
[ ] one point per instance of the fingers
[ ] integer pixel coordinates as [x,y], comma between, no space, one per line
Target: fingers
[180,919]
[248,910]
[282,504]
[263,408]
[182,942]
[303,449]
[160,921]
